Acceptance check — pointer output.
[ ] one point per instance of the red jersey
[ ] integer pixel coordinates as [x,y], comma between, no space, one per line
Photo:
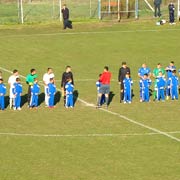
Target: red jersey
[105,77]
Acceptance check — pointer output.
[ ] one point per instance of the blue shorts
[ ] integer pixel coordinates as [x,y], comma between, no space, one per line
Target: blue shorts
[104,89]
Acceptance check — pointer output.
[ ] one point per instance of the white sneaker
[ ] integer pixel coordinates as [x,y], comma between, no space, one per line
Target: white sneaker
[19,109]
[14,108]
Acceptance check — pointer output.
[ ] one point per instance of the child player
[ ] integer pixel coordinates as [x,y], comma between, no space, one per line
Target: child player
[127,88]
[144,84]
[161,83]
[35,89]
[2,93]
[51,90]
[69,93]
[98,85]
[173,84]
[17,92]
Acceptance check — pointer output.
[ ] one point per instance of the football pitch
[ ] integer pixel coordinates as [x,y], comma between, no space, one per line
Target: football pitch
[138,141]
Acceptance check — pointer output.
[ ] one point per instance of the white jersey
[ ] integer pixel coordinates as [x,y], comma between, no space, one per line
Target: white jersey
[46,78]
[12,80]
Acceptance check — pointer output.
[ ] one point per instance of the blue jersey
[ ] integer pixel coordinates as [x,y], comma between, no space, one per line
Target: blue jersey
[161,82]
[51,90]
[98,85]
[2,89]
[145,83]
[169,70]
[173,81]
[127,83]
[17,89]
[142,71]
[35,89]
[69,88]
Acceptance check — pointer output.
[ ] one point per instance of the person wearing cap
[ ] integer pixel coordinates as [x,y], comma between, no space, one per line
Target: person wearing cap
[123,70]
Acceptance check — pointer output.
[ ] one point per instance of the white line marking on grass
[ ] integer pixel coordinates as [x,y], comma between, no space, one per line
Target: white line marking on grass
[119,115]
[90,32]
[83,135]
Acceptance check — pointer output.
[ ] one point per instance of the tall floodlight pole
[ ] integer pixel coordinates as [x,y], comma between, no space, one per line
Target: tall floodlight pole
[136,9]
[60,7]
[99,9]
[109,7]
[127,6]
[21,12]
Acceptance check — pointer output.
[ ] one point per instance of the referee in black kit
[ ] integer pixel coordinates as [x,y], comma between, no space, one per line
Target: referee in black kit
[122,73]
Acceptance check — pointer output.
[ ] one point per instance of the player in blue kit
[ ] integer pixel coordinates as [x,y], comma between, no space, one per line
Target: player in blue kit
[128,82]
[17,92]
[161,84]
[69,87]
[35,90]
[2,94]
[144,84]
[98,85]
[169,71]
[51,90]
[173,84]
[144,70]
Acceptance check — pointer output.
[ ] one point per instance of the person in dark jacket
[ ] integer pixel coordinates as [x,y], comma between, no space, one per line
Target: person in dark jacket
[122,73]
[65,76]
[65,14]
[171,12]
[157,10]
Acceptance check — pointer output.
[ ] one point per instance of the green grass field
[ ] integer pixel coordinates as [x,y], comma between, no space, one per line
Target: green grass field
[140,141]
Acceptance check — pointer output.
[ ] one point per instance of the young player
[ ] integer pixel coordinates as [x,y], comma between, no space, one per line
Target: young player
[156,75]
[17,92]
[173,84]
[51,90]
[169,69]
[69,94]
[127,89]
[98,85]
[35,89]
[11,81]
[161,83]
[46,80]
[144,84]
[30,81]
[2,94]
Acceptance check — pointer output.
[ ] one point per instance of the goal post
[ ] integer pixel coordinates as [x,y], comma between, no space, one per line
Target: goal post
[117,8]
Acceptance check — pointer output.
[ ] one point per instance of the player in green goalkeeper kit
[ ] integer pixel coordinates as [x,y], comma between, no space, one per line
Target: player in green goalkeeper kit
[155,75]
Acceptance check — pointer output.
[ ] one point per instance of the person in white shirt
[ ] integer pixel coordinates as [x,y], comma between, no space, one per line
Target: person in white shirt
[46,80]
[11,81]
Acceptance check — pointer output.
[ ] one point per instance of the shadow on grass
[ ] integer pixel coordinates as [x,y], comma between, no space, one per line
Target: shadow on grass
[75,96]
[57,97]
[111,96]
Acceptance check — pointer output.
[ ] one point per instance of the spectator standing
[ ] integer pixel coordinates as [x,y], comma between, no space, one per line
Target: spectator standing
[171,9]
[65,14]
[122,73]
[157,9]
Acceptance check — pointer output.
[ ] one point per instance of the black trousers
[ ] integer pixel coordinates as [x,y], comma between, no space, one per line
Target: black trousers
[67,24]
[29,94]
[171,17]
[157,10]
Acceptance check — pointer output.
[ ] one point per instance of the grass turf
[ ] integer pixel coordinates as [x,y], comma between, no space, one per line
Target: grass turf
[126,151]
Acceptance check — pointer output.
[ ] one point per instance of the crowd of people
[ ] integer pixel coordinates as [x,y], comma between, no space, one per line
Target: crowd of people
[16,89]
[165,84]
